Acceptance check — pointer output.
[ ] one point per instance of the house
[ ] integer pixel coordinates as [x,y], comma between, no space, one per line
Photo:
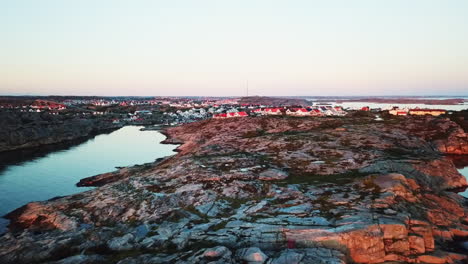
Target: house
[257,111]
[401,113]
[237,114]
[302,112]
[291,111]
[273,111]
[433,112]
[339,111]
[297,112]
[327,110]
[316,112]
[398,112]
[365,108]
[222,115]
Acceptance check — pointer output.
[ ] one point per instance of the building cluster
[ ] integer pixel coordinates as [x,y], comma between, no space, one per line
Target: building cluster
[175,102]
[36,106]
[178,110]
[302,111]
[289,111]
[187,116]
[416,111]
[47,105]
[192,103]
[110,102]
[232,114]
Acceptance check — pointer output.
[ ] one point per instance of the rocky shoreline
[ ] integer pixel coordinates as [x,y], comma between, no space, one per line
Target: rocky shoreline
[266,190]
[24,130]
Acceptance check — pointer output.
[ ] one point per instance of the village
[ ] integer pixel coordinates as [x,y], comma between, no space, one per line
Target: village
[289,111]
[172,111]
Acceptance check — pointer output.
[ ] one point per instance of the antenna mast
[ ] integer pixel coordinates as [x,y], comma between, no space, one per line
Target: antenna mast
[247,88]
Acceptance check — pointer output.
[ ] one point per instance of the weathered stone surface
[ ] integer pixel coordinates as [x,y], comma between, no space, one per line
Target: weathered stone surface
[40,216]
[272,175]
[431,259]
[288,257]
[297,209]
[121,243]
[81,259]
[416,244]
[379,193]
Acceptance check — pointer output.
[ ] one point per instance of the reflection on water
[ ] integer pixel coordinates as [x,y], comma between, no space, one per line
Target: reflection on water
[461,162]
[18,157]
[56,173]
[464,172]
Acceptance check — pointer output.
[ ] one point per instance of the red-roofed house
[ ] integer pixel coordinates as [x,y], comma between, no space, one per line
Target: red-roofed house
[223,115]
[297,112]
[316,112]
[338,110]
[273,111]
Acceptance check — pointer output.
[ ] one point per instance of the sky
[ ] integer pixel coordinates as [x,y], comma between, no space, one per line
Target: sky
[216,47]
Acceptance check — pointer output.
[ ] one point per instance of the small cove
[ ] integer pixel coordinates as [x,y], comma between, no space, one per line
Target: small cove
[56,173]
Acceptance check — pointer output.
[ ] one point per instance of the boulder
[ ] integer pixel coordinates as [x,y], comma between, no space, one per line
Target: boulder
[217,253]
[252,255]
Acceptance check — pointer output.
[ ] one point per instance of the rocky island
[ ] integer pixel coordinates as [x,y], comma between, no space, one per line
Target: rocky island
[268,189]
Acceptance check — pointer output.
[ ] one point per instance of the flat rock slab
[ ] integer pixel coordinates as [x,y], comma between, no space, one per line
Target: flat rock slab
[273,175]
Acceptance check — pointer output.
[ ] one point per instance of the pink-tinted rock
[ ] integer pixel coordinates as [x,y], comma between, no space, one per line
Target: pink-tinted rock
[416,244]
[397,246]
[431,259]
[39,216]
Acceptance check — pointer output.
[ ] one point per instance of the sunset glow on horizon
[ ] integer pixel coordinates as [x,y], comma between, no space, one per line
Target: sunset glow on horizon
[211,48]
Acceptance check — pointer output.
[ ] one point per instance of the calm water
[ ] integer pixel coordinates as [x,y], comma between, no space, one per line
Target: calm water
[464,172]
[56,173]
[359,105]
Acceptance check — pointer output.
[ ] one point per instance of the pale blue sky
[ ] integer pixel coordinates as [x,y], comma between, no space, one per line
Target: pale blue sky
[201,47]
